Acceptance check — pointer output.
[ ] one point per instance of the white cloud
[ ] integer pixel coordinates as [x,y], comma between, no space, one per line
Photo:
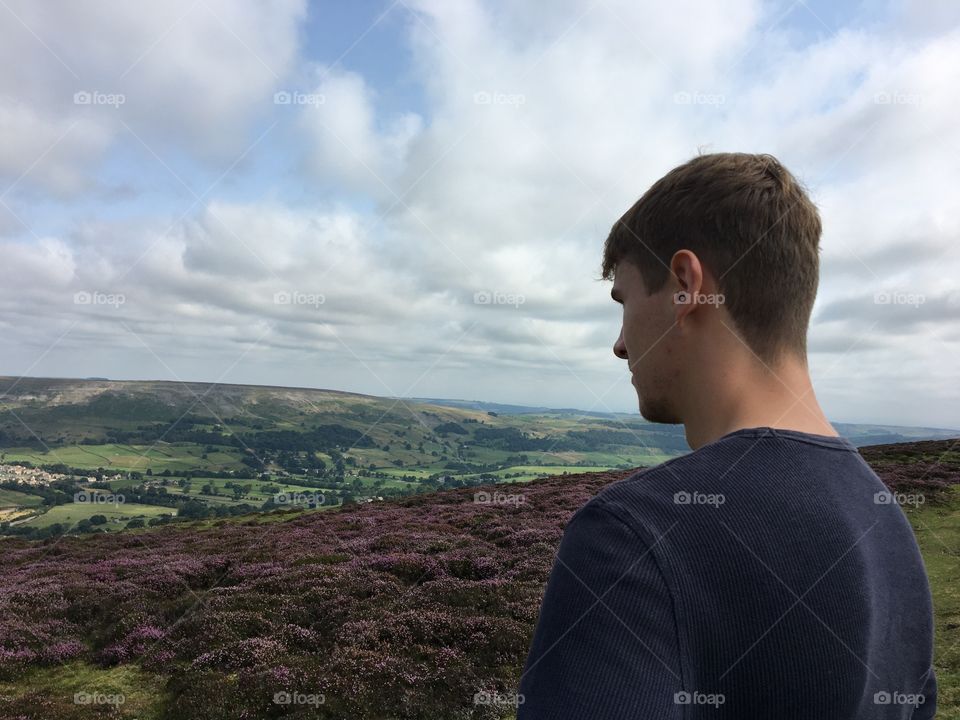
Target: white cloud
[52,151]
[539,130]
[182,75]
[347,143]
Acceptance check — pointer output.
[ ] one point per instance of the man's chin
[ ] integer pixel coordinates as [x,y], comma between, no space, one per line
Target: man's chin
[657,413]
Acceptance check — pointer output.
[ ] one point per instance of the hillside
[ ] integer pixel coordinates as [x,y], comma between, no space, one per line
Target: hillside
[170,451]
[401,609]
[54,414]
[215,450]
[58,413]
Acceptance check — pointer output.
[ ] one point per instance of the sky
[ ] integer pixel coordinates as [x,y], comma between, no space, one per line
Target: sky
[409,198]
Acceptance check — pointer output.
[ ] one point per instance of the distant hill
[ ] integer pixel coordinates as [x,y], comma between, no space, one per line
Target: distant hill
[502,409]
[859,434]
[65,411]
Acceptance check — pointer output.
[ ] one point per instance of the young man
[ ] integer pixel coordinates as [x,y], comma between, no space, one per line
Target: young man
[767,574]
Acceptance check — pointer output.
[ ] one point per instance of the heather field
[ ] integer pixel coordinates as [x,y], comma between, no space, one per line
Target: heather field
[421,607]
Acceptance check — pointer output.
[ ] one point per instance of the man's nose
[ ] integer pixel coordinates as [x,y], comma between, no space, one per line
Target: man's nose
[619,348]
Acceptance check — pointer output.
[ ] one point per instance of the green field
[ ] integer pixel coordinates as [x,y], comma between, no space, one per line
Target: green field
[13,499]
[113,456]
[224,493]
[140,689]
[532,472]
[417,472]
[557,469]
[938,534]
[72,513]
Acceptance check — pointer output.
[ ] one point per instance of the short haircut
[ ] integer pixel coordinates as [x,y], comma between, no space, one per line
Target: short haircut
[753,226]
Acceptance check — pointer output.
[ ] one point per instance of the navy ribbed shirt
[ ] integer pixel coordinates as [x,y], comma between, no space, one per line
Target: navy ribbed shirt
[767,575]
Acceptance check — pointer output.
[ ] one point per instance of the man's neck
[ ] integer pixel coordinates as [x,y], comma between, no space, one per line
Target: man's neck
[782,399]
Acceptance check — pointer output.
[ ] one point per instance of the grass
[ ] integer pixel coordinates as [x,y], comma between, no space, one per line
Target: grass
[142,691]
[180,457]
[16,505]
[937,529]
[14,499]
[225,495]
[119,457]
[72,513]
[417,472]
[554,469]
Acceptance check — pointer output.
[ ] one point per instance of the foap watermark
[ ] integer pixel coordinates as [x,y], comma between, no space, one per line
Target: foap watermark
[485,97]
[96,498]
[498,498]
[288,97]
[898,297]
[298,698]
[95,97]
[95,297]
[98,698]
[493,697]
[895,697]
[698,698]
[295,297]
[688,298]
[885,497]
[698,498]
[294,498]
[498,297]
[897,98]
[685,97]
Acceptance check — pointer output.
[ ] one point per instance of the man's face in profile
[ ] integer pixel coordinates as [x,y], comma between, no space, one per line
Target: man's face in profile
[646,342]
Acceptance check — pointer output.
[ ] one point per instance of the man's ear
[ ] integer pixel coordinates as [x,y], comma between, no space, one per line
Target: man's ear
[687,271]
[686,278]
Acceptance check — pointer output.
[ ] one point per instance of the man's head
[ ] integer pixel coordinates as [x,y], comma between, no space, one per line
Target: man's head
[717,267]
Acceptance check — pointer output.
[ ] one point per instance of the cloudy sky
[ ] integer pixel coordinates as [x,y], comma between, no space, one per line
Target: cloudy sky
[409,197]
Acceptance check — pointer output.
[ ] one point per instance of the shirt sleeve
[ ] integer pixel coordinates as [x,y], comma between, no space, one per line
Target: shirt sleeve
[605,646]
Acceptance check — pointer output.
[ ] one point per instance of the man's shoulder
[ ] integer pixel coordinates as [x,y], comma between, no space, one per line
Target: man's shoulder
[659,481]
[734,478]
[680,488]
[648,492]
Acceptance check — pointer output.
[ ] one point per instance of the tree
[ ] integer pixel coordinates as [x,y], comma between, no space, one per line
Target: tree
[51,531]
[98,520]
[193,509]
